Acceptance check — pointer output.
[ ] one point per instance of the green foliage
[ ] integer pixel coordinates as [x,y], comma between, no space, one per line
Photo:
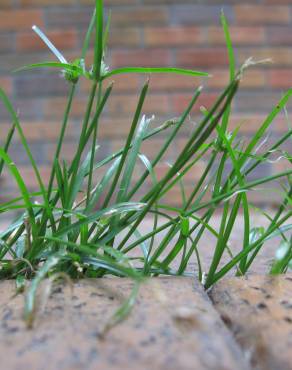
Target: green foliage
[84,227]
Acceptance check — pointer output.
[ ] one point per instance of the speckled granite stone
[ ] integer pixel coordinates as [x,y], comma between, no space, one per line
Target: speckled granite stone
[172,326]
[258,310]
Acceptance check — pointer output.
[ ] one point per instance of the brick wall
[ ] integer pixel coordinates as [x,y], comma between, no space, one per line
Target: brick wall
[143,33]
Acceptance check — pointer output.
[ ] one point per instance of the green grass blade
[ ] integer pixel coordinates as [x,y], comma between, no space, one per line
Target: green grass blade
[80,178]
[225,231]
[259,134]
[109,212]
[213,201]
[106,32]
[128,143]
[231,56]
[247,250]
[87,131]
[123,312]
[231,193]
[185,155]
[6,145]
[201,181]
[274,220]
[88,35]
[62,135]
[241,183]
[102,186]
[30,298]
[98,259]
[175,251]
[21,185]
[16,122]
[173,230]
[144,70]
[283,258]
[96,117]
[186,170]
[232,64]
[93,145]
[169,140]
[153,176]
[132,159]
[166,125]
[98,45]
[65,66]
[60,181]
[50,45]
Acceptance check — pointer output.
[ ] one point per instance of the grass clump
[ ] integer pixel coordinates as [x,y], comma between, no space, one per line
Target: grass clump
[83,228]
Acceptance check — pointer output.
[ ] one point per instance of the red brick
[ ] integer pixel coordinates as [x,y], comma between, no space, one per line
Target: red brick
[162,1]
[11,61]
[40,85]
[68,17]
[113,128]
[4,128]
[6,84]
[124,37]
[163,82]
[253,102]
[202,58]
[198,12]
[111,2]
[67,153]
[6,4]
[281,166]
[174,196]
[151,147]
[249,123]
[20,19]
[279,35]
[280,78]
[193,175]
[125,83]
[140,15]
[251,79]
[173,36]
[27,109]
[7,43]
[141,58]
[277,2]
[180,102]
[54,108]
[239,35]
[118,105]
[280,56]
[255,14]
[51,131]
[125,105]
[41,3]
[29,177]
[39,130]
[65,39]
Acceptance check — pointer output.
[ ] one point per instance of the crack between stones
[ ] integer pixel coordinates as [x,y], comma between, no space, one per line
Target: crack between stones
[228,326]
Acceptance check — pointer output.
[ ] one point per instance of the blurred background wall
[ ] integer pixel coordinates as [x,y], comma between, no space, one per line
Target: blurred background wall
[143,33]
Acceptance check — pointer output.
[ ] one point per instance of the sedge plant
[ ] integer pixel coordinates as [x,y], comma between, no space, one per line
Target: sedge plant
[83,227]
